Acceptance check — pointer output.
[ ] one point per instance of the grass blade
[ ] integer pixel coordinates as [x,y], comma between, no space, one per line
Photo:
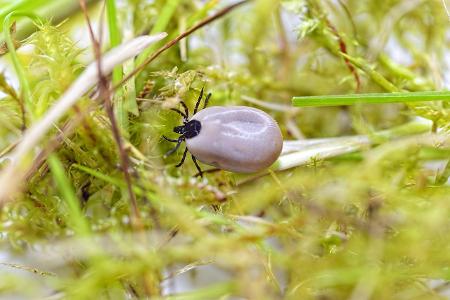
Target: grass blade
[115,39]
[161,25]
[374,98]
[25,86]
[76,218]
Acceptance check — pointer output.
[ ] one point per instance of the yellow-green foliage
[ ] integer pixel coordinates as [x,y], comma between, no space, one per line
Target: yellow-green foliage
[370,225]
[53,64]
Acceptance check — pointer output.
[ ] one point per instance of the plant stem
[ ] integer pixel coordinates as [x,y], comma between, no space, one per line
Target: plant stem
[25,87]
[374,98]
[75,216]
[161,24]
[54,10]
[115,39]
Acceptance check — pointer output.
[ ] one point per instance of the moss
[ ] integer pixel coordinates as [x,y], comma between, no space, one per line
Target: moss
[372,224]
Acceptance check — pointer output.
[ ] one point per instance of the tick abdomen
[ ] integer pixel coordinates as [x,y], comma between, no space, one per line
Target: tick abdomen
[236,138]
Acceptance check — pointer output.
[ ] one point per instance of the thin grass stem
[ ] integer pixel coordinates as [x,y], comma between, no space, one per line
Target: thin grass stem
[63,184]
[375,98]
[166,14]
[20,72]
[115,39]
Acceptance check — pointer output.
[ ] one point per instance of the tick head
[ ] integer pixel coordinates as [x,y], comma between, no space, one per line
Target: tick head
[179,129]
[192,129]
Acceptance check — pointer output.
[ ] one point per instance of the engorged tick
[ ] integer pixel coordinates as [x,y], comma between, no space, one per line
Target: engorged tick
[236,138]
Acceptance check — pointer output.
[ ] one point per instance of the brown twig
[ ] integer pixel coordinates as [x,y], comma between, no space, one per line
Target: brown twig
[206,21]
[343,48]
[105,94]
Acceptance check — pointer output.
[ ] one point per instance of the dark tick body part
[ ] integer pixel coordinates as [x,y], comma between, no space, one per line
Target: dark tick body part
[237,138]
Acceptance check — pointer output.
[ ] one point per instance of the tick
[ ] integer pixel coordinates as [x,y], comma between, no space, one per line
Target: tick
[236,138]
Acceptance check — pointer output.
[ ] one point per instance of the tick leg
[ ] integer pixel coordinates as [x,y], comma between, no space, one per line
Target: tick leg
[198,101]
[183,158]
[170,140]
[180,112]
[206,100]
[180,140]
[200,172]
[186,110]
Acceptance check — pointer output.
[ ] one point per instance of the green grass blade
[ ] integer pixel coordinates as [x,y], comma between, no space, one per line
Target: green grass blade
[22,5]
[114,32]
[76,218]
[115,39]
[54,10]
[202,13]
[108,179]
[215,291]
[20,71]
[160,26]
[375,98]
[101,176]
